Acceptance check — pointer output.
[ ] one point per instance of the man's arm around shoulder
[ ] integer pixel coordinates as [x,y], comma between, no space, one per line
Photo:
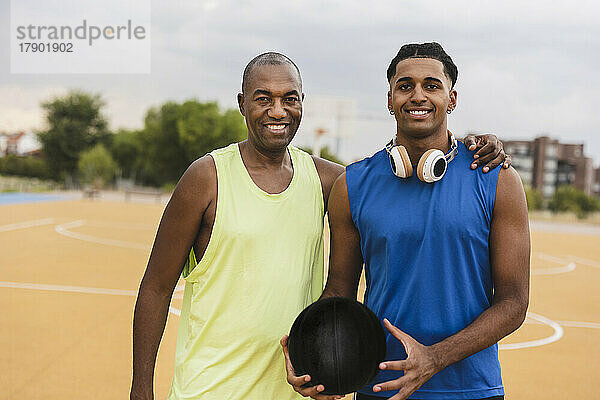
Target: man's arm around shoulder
[175,237]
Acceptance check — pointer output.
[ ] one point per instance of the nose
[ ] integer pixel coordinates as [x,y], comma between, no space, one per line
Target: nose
[418,95]
[277,111]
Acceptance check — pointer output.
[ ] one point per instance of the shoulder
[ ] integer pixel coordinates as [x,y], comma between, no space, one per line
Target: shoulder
[509,181]
[509,190]
[328,171]
[198,183]
[339,194]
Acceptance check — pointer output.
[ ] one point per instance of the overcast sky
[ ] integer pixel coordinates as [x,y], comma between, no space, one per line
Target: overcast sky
[525,67]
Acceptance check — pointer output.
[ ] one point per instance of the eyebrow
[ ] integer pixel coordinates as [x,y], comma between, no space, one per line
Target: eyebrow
[261,91]
[266,92]
[430,78]
[408,79]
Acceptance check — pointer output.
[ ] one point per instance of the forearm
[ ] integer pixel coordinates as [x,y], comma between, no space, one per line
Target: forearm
[498,321]
[333,291]
[150,316]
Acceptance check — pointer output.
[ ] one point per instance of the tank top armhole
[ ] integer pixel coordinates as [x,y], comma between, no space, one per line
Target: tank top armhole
[350,171]
[492,189]
[198,267]
[306,161]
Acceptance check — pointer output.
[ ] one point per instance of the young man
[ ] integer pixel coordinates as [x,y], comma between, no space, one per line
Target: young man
[252,213]
[446,262]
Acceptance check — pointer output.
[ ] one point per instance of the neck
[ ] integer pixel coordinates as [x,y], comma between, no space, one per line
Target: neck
[253,156]
[416,146]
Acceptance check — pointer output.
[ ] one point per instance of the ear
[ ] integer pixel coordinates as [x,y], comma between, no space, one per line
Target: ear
[240,100]
[453,99]
[389,100]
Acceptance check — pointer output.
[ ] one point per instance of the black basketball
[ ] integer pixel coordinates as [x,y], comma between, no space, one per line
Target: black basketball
[339,342]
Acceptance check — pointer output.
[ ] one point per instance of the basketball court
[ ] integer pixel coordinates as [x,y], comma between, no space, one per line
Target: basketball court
[70,269]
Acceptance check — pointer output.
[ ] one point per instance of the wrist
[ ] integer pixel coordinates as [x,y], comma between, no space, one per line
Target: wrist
[437,358]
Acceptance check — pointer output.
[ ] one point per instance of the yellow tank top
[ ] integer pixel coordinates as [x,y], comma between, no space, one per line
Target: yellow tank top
[263,265]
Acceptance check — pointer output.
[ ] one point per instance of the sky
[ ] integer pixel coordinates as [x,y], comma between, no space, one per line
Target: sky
[526,68]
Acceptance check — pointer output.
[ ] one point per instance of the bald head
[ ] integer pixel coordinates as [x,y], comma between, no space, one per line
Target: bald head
[270,58]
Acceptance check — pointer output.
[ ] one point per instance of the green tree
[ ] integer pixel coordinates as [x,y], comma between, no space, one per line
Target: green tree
[126,148]
[568,199]
[96,166]
[175,135]
[29,166]
[535,200]
[75,123]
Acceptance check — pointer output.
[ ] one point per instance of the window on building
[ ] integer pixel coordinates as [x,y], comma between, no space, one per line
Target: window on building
[550,164]
[551,151]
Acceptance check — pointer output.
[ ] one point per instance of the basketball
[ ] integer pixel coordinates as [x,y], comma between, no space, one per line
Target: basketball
[339,342]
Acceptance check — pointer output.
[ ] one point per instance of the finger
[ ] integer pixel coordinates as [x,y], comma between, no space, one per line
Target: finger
[507,161]
[390,385]
[314,392]
[494,162]
[470,142]
[292,379]
[489,146]
[491,160]
[399,365]
[286,354]
[398,334]
[404,338]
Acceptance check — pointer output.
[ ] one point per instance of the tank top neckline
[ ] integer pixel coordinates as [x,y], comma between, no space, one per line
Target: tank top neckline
[255,188]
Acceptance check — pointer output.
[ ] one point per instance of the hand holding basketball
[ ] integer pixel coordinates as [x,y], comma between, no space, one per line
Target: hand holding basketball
[418,367]
[298,381]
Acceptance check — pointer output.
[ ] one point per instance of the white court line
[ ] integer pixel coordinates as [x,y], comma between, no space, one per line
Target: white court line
[63,288]
[26,224]
[63,229]
[76,289]
[557,335]
[574,324]
[580,324]
[179,288]
[585,261]
[552,271]
[550,258]
[122,225]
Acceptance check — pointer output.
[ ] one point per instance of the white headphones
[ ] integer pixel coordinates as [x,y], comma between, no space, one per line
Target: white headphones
[432,164]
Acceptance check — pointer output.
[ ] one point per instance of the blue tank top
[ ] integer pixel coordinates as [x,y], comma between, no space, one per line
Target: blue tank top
[426,255]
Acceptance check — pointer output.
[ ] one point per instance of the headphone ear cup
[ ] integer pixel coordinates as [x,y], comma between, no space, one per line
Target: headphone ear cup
[406,169]
[421,165]
[398,161]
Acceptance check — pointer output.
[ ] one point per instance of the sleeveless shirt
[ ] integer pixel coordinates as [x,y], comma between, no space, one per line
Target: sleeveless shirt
[426,254]
[263,265]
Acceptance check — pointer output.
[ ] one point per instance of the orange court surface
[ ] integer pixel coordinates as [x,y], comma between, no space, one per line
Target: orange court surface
[69,273]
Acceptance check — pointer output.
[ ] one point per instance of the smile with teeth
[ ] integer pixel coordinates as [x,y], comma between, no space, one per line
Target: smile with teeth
[419,112]
[276,127]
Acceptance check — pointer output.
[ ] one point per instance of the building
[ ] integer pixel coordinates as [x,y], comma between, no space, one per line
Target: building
[21,143]
[544,164]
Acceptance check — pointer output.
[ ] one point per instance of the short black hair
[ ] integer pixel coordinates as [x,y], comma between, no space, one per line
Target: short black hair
[424,50]
[269,58]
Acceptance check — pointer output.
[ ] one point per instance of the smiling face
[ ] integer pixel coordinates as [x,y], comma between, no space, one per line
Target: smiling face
[420,94]
[272,106]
